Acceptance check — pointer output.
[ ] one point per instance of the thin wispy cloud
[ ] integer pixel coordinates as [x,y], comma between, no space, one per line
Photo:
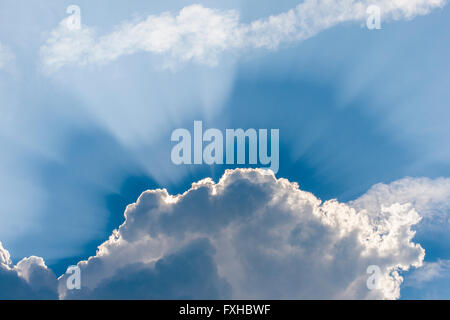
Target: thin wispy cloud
[201,34]
[430,271]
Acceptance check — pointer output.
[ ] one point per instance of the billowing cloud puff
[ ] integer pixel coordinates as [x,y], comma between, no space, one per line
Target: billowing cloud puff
[250,236]
[200,34]
[5,258]
[431,199]
[29,279]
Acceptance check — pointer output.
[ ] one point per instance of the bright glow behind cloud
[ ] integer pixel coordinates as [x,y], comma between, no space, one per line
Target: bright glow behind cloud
[200,34]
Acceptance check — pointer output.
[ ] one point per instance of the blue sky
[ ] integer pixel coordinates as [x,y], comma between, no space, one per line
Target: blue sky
[81,141]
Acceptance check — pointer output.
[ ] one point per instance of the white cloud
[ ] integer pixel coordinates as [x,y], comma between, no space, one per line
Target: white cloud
[251,236]
[200,34]
[429,272]
[5,258]
[29,279]
[430,197]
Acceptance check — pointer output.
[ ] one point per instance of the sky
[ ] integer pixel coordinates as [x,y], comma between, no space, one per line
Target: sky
[85,158]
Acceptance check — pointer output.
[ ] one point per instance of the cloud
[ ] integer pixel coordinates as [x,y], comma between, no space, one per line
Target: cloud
[249,236]
[429,272]
[201,34]
[252,236]
[432,281]
[430,197]
[188,274]
[29,279]
[5,258]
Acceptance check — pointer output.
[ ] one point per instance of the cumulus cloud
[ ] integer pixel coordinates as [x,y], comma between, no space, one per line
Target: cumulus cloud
[29,279]
[200,34]
[188,274]
[431,199]
[250,236]
[5,258]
